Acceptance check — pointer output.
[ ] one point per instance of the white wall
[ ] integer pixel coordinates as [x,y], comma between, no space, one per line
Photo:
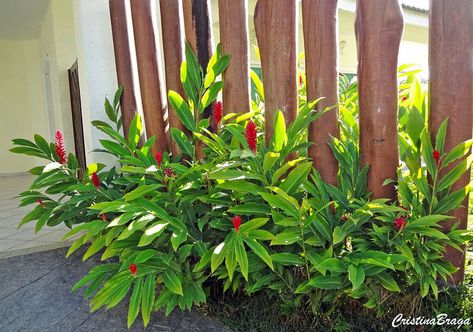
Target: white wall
[21,101]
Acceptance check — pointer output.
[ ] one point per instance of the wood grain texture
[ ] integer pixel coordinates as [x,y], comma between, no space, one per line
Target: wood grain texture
[144,28]
[451,91]
[378,29]
[121,46]
[275,26]
[173,48]
[233,24]
[319,19]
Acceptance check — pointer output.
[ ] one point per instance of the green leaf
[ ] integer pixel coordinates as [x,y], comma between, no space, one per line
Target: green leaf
[339,234]
[253,224]
[183,142]
[441,134]
[147,298]
[296,177]
[135,131]
[332,264]
[260,250]
[140,192]
[388,282]
[178,239]
[356,275]
[211,94]
[270,159]
[452,201]
[241,256]
[94,248]
[218,255]
[281,203]
[285,238]
[427,152]
[415,124]
[327,282]
[258,84]
[182,109]
[135,301]
[152,233]
[457,152]
[454,174]
[286,258]
[250,209]
[279,137]
[172,282]
[225,174]
[239,186]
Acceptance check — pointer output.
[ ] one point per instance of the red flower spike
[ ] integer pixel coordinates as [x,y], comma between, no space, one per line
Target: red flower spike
[40,202]
[60,149]
[236,221]
[404,98]
[301,80]
[400,222]
[133,269]
[168,171]
[218,112]
[251,138]
[159,158]
[436,155]
[94,178]
[345,217]
[103,216]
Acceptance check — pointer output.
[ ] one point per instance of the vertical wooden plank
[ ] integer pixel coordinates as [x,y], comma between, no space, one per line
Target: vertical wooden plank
[451,91]
[121,45]
[319,19]
[198,28]
[234,38]
[275,26]
[378,29]
[144,28]
[173,46]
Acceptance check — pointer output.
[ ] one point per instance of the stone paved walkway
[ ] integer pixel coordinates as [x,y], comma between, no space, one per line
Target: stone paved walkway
[35,296]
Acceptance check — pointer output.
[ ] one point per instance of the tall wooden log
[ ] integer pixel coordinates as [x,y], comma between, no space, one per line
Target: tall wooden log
[198,28]
[173,46]
[275,26]
[321,60]
[378,28]
[451,92]
[121,46]
[144,27]
[234,38]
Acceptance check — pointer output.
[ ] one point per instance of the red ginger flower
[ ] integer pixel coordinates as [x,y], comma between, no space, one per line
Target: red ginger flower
[168,171]
[400,222]
[251,136]
[103,216]
[301,80]
[159,158]
[218,112]
[404,98]
[436,155]
[94,178]
[60,149]
[133,269]
[236,221]
[40,202]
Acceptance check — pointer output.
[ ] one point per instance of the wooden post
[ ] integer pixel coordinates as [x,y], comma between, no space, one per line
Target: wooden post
[173,42]
[321,58]
[275,26]
[121,45]
[198,28]
[144,27]
[234,38]
[378,29]
[451,92]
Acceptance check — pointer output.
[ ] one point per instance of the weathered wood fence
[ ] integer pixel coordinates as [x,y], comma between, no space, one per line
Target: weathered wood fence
[378,29]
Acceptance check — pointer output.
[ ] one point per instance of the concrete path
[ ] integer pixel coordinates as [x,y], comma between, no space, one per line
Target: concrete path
[22,241]
[35,296]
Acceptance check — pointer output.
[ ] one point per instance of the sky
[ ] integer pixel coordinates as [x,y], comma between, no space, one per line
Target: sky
[424,4]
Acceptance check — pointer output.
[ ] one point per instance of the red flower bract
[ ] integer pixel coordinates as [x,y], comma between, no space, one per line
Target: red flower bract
[251,139]
[133,269]
[103,216]
[436,155]
[94,178]
[236,221]
[40,202]
[60,149]
[159,158]
[218,112]
[400,222]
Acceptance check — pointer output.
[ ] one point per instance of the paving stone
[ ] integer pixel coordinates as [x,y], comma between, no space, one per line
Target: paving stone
[35,296]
